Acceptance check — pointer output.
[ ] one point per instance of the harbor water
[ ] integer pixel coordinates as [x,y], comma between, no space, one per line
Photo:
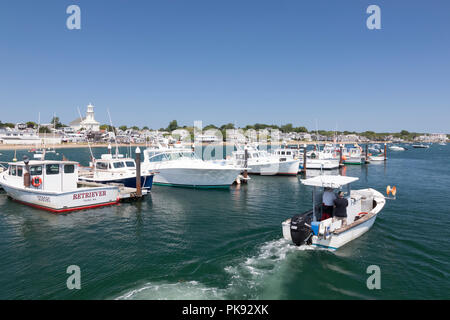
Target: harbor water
[181,243]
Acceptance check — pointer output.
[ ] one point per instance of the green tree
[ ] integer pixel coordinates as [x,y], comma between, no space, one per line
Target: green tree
[404,133]
[44,130]
[55,121]
[106,127]
[210,126]
[123,128]
[173,125]
[227,126]
[287,128]
[31,124]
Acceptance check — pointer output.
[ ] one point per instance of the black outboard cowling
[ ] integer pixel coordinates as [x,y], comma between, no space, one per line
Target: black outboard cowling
[301,229]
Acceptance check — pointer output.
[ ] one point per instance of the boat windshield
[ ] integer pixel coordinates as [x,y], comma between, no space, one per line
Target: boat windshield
[130,164]
[171,156]
[36,170]
[118,165]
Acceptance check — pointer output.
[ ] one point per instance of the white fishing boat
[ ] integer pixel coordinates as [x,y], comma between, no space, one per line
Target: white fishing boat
[353,155]
[183,168]
[115,169]
[442,143]
[263,163]
[363,207]
[54,186]
[325,159]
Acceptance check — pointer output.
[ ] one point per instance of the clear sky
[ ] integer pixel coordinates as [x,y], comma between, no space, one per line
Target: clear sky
[220,61]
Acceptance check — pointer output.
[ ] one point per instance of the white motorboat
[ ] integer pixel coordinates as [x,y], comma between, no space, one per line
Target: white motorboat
[181,167]
[363,207]
[397,148]
[376,158]
[53,186]
[115,169]
[420,146]
[265,164]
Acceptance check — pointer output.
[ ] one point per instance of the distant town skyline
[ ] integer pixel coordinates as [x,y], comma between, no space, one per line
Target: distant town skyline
[312,64]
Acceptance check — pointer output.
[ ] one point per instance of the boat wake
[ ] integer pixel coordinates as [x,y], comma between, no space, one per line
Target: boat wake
[253,278]
[189,290]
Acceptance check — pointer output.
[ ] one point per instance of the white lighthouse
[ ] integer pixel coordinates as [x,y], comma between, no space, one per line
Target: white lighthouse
[88,123]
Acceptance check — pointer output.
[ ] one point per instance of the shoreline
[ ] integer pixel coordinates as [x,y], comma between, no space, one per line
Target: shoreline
[225,143]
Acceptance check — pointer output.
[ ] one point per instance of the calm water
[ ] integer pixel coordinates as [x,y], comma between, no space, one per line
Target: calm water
[226,244]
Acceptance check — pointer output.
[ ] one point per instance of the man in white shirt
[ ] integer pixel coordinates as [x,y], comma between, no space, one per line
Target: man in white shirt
[328,203]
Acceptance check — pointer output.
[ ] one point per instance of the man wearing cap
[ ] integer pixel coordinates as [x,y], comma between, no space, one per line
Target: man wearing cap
[340,208]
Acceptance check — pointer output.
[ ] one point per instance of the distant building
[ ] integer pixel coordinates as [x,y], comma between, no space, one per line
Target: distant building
[88,123]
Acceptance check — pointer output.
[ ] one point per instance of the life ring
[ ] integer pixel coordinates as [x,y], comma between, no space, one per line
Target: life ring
[36,181]
[362,213]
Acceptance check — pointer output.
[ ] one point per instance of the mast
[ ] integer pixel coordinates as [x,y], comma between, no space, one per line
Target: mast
[89,144]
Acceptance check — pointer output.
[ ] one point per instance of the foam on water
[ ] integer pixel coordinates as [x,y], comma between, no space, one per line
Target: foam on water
[189,290]
[246,279]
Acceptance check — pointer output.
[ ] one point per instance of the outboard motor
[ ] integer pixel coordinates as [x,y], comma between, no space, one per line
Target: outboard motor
[301,229]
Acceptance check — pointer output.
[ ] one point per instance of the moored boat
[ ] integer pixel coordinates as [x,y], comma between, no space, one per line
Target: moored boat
[53,186]
[308,229]
[420,146]
[180,167]
[378,157]
[266,164]
[116,169]
[397,148]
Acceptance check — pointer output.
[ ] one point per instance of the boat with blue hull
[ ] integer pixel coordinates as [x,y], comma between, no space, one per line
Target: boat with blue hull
[116,169]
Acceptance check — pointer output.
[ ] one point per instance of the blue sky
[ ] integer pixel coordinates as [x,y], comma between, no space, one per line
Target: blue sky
[220,61]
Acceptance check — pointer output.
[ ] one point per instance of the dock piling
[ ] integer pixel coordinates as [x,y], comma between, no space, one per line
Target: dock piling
[245,162]
[304,161]
[138,172]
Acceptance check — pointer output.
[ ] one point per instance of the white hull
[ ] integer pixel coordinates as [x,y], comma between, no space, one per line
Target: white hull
[377,158]
[289,167]
[195,177]
[82,198]
[319,164]
[395,148]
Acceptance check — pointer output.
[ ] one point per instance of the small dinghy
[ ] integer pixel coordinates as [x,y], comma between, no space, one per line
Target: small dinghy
[363,206]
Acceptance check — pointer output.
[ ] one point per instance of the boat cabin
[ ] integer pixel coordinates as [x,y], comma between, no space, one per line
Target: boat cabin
[110,163]
[48,175]
[337,183]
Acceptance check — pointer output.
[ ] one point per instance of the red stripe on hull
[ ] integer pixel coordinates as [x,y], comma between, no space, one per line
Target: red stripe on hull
[68,209]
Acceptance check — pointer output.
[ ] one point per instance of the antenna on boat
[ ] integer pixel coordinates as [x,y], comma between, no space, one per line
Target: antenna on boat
[89,144]
[114,131]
